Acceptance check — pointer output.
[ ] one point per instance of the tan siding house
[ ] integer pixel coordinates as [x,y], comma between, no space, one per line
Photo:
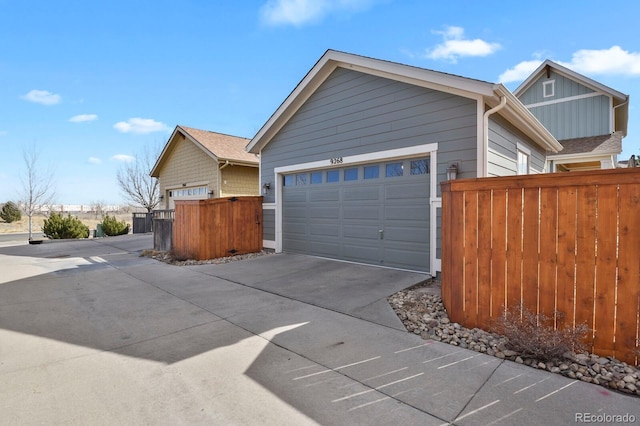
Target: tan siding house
[197,164]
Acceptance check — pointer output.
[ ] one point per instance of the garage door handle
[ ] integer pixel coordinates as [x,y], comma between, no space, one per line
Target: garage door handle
[381,232]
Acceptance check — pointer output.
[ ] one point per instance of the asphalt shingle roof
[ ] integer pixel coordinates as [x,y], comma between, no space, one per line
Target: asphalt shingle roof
[594,144]
[225,147]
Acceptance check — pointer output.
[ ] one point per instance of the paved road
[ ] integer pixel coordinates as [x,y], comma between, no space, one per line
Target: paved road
[92,333]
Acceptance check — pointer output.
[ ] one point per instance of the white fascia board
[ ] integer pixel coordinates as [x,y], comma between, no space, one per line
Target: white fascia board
[583,156]
[390,154]
[154,171]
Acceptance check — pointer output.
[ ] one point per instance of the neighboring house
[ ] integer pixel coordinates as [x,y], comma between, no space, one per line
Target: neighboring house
[589,119]
[352,160]
[198,164]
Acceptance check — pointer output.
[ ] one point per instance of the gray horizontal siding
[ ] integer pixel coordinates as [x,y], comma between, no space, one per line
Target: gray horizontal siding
[503,143]
[269,225]
[354,113]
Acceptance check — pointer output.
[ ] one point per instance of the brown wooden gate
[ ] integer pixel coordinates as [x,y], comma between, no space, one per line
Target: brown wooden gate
[219,227]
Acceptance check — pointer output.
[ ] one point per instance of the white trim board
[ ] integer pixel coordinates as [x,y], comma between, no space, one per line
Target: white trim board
[371,157]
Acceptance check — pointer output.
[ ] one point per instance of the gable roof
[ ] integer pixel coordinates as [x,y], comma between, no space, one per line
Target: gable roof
[491,93]
[222,148]
[620,100]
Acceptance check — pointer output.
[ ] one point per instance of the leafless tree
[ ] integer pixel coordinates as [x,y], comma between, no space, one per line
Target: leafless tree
[37,186]
[97,207]
[137,184]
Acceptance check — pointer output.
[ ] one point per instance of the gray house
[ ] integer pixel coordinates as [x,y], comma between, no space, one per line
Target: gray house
[588,118]
[351,161]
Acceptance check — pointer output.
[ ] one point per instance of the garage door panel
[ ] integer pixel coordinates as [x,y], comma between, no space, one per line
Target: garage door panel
[405,190]
[319,212]
[360,252]
[361,193]
[293,213]
[294,195]
[403,213]
[324,229]
[414,235]
[360,212]
[324,195]
[405,259]
[295,228]
[368,232]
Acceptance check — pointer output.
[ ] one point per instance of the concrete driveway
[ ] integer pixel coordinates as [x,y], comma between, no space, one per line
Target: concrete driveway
[91,333]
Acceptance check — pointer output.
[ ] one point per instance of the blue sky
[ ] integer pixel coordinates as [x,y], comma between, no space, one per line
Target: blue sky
[90,84]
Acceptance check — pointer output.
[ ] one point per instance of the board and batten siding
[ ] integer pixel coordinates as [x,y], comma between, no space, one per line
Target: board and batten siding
[588,115]
[355,113]
[503,145]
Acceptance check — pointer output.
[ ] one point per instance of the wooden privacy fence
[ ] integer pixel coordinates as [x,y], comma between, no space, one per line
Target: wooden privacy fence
[218,227]
[142,222]
[566,243]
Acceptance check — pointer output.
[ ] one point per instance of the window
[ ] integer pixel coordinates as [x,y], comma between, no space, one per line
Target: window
[301,179]
[548,88]
[393,169]
[333,176]
[288,180]
[316,177]
[371,172]
[420,167]
[350,174]
[523,160]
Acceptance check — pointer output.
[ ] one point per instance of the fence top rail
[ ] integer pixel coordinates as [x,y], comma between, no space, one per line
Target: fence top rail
[630,176]
[163,214]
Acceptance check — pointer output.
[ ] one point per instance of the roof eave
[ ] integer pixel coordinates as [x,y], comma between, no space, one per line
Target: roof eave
[155,170]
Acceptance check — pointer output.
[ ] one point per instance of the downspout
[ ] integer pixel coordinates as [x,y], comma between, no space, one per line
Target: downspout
[485,142]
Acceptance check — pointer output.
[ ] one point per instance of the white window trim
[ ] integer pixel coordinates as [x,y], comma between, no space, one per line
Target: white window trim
[545,86]
[521,148]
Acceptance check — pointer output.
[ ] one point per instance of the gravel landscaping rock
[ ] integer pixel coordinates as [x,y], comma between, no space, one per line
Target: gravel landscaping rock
[422,312]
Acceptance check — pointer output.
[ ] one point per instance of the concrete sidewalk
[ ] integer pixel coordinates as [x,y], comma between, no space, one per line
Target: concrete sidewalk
[92,333]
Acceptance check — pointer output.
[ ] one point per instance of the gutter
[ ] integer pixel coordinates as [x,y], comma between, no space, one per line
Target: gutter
[485,136]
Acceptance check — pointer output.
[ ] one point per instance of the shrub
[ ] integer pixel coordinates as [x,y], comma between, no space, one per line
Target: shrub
[533,335]
[10,212]
[58,227]
[111,226]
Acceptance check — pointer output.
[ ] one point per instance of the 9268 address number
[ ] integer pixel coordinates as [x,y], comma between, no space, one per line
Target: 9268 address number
[336,160]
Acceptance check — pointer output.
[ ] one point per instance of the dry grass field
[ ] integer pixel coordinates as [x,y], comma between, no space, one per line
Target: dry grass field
[90,219]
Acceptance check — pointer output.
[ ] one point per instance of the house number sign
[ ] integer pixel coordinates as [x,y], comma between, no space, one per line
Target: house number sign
[336,160]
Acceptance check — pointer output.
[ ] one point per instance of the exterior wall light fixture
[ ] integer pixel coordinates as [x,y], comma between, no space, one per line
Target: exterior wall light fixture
[266,187]
[452,171]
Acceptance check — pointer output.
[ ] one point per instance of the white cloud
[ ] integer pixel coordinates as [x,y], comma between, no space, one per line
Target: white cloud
[140,126]
[42,97]
[614,60]
[300,12]
[455,46]
[520,71]
[124,158]
[610,61]
[94,160]
[83,117]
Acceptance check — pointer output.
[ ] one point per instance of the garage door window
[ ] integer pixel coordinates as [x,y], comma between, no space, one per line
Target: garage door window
[333,176]
[301,179]
[316,177]
[393,169]
[372,172]
[420,167]
[350,174]
[288,180]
